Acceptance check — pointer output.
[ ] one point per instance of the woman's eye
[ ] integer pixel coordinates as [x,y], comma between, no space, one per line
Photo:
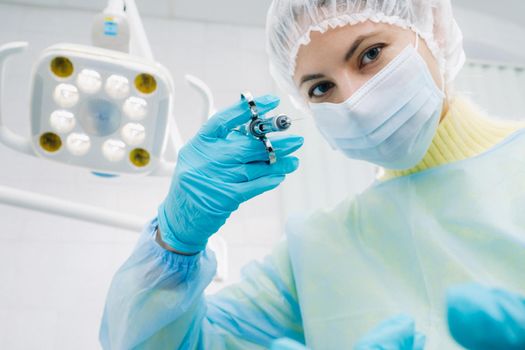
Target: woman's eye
[320,89]
[370,55]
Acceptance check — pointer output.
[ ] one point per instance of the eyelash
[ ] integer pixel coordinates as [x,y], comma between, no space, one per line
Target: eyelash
[361,65]
[379,47]
[312,89]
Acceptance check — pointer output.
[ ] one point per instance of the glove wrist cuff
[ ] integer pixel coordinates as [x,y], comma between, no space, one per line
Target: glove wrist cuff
[169,236]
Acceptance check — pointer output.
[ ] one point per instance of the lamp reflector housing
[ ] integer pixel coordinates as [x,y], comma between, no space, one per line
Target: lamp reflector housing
[109,108]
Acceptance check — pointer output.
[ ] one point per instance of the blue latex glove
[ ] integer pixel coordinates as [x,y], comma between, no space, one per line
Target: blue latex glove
[486,318]
[218,170]
[396,333]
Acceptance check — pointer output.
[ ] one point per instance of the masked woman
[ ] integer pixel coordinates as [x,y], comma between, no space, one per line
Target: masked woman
[377,76]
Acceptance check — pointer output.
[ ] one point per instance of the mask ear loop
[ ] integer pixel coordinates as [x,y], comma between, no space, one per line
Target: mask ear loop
[440,72]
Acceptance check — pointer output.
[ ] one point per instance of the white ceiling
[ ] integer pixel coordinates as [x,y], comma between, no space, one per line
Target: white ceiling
[252,12]
[245,12]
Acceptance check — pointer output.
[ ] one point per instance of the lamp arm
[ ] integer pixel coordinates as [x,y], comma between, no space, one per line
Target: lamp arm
[205,93]
[139,40]
[8,137]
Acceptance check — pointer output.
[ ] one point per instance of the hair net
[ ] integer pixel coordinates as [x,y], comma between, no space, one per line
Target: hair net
[290,22]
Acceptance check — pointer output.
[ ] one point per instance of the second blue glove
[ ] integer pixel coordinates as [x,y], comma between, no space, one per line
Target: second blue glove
[482,318]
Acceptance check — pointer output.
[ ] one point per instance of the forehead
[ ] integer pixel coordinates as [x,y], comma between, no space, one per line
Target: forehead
[324,48]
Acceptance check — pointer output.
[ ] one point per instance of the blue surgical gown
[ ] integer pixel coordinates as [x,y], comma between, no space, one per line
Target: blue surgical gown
[395,248]
[156,301]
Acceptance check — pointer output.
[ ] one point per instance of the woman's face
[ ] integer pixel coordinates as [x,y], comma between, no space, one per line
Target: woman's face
[338,62]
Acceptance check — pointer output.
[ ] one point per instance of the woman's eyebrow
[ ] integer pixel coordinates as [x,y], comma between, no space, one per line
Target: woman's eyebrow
[348,56]
[308,77]
[356,44]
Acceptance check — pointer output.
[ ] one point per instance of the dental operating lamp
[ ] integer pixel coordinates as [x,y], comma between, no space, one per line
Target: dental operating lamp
[106,108]
[99,107]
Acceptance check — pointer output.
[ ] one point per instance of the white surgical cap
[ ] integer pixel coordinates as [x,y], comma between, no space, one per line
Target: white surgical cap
[290,22]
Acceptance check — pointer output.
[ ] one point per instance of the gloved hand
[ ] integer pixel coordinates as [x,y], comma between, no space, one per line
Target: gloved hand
[218,170]
[486,318]
[396,333]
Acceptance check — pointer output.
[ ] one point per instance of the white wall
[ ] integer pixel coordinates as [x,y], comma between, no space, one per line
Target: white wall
[495,75]
[54,271]
[490,38]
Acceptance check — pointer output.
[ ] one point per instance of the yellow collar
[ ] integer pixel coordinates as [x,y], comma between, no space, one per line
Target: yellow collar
[466,131]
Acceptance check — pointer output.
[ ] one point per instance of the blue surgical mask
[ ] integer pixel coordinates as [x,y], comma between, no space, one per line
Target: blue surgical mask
[391,120]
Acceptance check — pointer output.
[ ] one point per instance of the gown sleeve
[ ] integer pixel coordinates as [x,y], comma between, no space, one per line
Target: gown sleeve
[156,301]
